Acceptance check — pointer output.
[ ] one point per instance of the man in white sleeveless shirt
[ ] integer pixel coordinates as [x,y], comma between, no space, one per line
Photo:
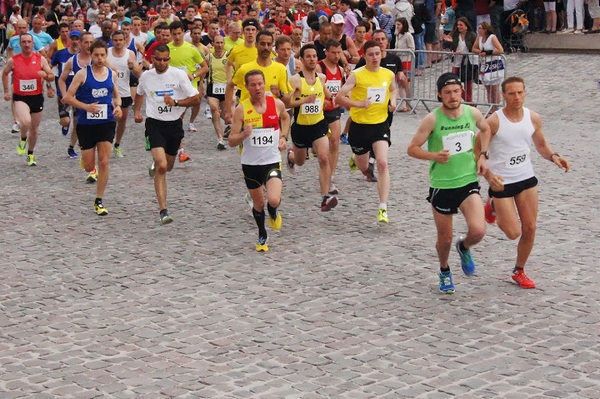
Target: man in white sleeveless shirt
[513,193]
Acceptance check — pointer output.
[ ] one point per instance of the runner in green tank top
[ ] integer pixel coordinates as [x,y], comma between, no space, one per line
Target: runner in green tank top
[449,132]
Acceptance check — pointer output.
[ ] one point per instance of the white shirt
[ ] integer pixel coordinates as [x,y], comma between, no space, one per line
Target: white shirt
[96,30]
[154,86]
[122,71]
[510,154]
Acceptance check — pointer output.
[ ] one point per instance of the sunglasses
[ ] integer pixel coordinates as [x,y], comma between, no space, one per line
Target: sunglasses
[160,59]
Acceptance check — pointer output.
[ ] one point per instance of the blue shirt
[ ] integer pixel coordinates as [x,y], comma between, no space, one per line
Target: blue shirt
[15,44]
[94,91]
[45,38]
[59,59]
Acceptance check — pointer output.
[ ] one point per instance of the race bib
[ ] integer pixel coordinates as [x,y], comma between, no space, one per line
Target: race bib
[333,86]
[219,88]
[100,115]
[312,108]
[120,75]
[516,160]
[457,143]
[163,109]
[28,85]
[376,94]
[262,137]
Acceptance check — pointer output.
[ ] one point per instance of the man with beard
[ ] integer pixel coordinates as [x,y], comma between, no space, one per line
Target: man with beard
[310,128]
[449,132]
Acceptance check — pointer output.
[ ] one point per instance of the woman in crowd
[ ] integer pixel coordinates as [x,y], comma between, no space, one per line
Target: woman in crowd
[403,40]
[461,39]
[486,45]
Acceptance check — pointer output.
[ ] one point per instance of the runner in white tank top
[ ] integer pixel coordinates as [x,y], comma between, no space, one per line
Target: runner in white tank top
[513,193]
[123,59]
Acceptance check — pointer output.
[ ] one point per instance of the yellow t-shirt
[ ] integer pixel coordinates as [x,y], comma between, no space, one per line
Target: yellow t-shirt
[240,55]
[185,57]
[376,87]
[310,113]
[229,44]
[275,74]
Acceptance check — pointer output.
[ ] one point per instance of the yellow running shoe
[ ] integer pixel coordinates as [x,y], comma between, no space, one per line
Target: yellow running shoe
[92,177]
[261,245]
[352,164]
[22,146]
[383,216]
[100,209]
[31,160]
[275,224]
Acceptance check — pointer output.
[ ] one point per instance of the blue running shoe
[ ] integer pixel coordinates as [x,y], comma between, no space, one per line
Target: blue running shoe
[72,153]
[344,138]
[64,130]
[466,260]
[446,283]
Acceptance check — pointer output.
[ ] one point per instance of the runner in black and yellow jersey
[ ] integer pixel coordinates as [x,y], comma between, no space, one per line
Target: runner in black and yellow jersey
[215,87]
[261,124]
[373,92]
[309,95]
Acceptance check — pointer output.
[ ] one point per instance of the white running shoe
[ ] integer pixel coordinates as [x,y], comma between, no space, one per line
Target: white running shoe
[16,128]
[207,112]
[192,128]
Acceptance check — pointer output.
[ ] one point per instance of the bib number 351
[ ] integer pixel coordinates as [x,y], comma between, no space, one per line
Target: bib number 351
[101,114]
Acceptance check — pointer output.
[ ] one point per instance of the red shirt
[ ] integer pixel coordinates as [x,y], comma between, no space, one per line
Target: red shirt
[26,80]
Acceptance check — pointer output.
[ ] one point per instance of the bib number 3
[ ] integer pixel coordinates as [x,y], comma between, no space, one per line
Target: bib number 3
[457,143]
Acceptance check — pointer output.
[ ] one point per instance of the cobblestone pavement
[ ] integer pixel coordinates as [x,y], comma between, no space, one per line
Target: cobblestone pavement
[340,307]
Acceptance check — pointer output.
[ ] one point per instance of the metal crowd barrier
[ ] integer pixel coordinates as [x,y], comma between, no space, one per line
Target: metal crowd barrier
[423,81]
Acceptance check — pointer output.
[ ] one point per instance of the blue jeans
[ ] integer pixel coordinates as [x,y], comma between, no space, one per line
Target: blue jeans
[420,45]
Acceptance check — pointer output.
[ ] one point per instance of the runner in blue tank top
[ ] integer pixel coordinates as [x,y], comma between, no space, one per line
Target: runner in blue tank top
[95,95]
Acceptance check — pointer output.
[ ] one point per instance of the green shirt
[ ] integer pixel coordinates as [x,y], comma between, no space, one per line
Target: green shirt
[457,136]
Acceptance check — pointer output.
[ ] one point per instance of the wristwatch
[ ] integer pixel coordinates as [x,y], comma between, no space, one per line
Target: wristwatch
[176,103]
[486,154]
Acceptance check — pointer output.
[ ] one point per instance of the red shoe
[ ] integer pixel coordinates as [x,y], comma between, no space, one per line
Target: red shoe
[521,278]
[490,214]
[183,157]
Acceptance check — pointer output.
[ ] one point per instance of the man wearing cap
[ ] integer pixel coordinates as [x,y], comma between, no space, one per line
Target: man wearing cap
[59,60]
[449,132]
[76,63]
[349,18]
[348,47]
